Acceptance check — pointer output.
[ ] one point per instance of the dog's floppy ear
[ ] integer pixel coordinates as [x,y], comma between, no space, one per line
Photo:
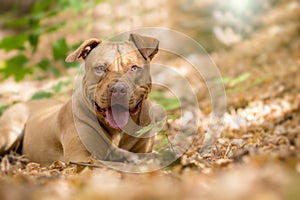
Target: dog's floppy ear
[147,46]
[83,50]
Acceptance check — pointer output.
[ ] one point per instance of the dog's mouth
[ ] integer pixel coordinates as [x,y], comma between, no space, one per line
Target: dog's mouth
[117,115]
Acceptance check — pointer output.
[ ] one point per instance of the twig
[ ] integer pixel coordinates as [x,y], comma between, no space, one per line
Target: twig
[85,164]
[227,150]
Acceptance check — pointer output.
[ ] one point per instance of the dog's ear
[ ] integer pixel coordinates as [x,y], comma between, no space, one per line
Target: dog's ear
[83,50]
[147,46]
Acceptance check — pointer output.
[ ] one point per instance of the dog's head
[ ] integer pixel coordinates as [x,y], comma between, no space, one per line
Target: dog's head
[117,76]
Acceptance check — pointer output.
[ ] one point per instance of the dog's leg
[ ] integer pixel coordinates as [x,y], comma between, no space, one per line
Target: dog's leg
[136,145]
[74,151]
[12,124]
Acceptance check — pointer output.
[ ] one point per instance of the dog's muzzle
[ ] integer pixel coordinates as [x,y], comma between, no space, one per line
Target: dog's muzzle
[118,111]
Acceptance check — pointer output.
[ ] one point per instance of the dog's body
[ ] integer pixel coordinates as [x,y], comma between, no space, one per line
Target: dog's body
[111,101]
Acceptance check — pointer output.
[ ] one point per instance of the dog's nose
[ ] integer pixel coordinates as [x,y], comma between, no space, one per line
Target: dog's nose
[118,90]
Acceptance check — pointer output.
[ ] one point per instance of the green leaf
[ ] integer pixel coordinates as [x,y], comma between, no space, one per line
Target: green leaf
[33,40]
[145,130]
[41,5]
[234,81]
[169,103]
[224,80]
[172,106]
[75,5]
[172,117]
[162,143]
[55,71]
[44,64]
[17,23]
[167,154]
[156,126]
[239,79]
[57,88]
[156,94]
[261,79]
[16,61]
[59,49]
[16,66]
[53,28]
[69,65]
[41,95]
[39,30]
[3,108]
[13,42]
[246,87]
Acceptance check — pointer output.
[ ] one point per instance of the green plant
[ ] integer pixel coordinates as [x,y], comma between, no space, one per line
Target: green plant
[234,84]
[169,104]
[25,43]
[3,108]
[156,127]
[47,94]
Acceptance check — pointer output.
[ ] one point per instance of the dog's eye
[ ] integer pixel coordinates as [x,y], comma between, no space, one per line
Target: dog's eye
[100,69]
[134,68]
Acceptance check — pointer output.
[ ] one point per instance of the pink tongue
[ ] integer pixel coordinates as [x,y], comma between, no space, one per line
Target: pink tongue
[117,117]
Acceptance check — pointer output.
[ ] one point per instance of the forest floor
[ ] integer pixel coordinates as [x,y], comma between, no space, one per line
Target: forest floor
[256,157]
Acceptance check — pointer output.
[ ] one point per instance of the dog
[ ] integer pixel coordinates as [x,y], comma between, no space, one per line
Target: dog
[99,119]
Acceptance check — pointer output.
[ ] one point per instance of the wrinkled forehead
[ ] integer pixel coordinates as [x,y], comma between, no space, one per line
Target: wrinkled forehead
[107,53]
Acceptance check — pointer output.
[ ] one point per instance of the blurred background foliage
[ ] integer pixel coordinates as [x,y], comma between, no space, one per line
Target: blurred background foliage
[25,21]
[37,34]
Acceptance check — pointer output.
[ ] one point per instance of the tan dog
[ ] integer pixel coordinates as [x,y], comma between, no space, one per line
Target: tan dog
[110,103]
